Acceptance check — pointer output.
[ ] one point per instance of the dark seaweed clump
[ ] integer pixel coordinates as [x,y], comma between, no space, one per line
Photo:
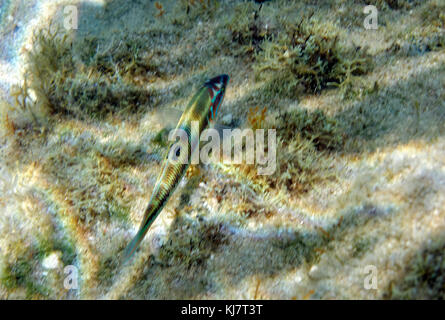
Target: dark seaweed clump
[424,276]
[68,81]
[190,246]
[323,131]
[303,59]
[305,141]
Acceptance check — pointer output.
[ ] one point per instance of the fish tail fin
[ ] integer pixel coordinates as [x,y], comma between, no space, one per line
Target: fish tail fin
[149,217]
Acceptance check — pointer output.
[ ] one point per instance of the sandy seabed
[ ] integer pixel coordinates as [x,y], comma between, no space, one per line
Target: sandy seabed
[356,209]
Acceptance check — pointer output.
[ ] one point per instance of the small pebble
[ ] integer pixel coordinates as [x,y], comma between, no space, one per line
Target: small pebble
[227,119]
[52,261]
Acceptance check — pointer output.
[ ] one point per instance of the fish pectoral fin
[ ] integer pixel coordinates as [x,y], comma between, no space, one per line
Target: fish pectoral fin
[167,116]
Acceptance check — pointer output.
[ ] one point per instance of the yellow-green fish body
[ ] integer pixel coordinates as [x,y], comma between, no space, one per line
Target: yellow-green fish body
[202,108]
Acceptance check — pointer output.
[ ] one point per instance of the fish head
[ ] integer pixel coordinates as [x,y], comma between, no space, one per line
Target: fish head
[217,88]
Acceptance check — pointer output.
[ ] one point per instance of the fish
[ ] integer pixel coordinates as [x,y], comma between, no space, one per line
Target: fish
[202,108]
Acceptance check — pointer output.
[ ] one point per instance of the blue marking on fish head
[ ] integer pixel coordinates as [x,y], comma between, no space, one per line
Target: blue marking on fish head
[217,85]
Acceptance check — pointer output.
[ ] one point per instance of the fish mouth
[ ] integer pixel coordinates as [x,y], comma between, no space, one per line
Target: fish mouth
[224,78]
[220,81]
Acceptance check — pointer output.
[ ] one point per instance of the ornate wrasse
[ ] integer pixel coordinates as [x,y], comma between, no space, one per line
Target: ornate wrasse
[202,108]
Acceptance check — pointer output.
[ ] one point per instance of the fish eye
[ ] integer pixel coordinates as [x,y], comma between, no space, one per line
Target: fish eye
[178,152]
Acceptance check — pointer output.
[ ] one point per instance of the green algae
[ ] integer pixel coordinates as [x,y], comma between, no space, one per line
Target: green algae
[323,131]
[248,30]
[423,277]
[191,247]
[304,142]
[303,59]
[90,88]
[20,275]
[362,246]
[395,4]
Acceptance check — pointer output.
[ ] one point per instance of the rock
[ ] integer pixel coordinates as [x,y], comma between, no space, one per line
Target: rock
[52,261]
[315,272]
[227,119]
